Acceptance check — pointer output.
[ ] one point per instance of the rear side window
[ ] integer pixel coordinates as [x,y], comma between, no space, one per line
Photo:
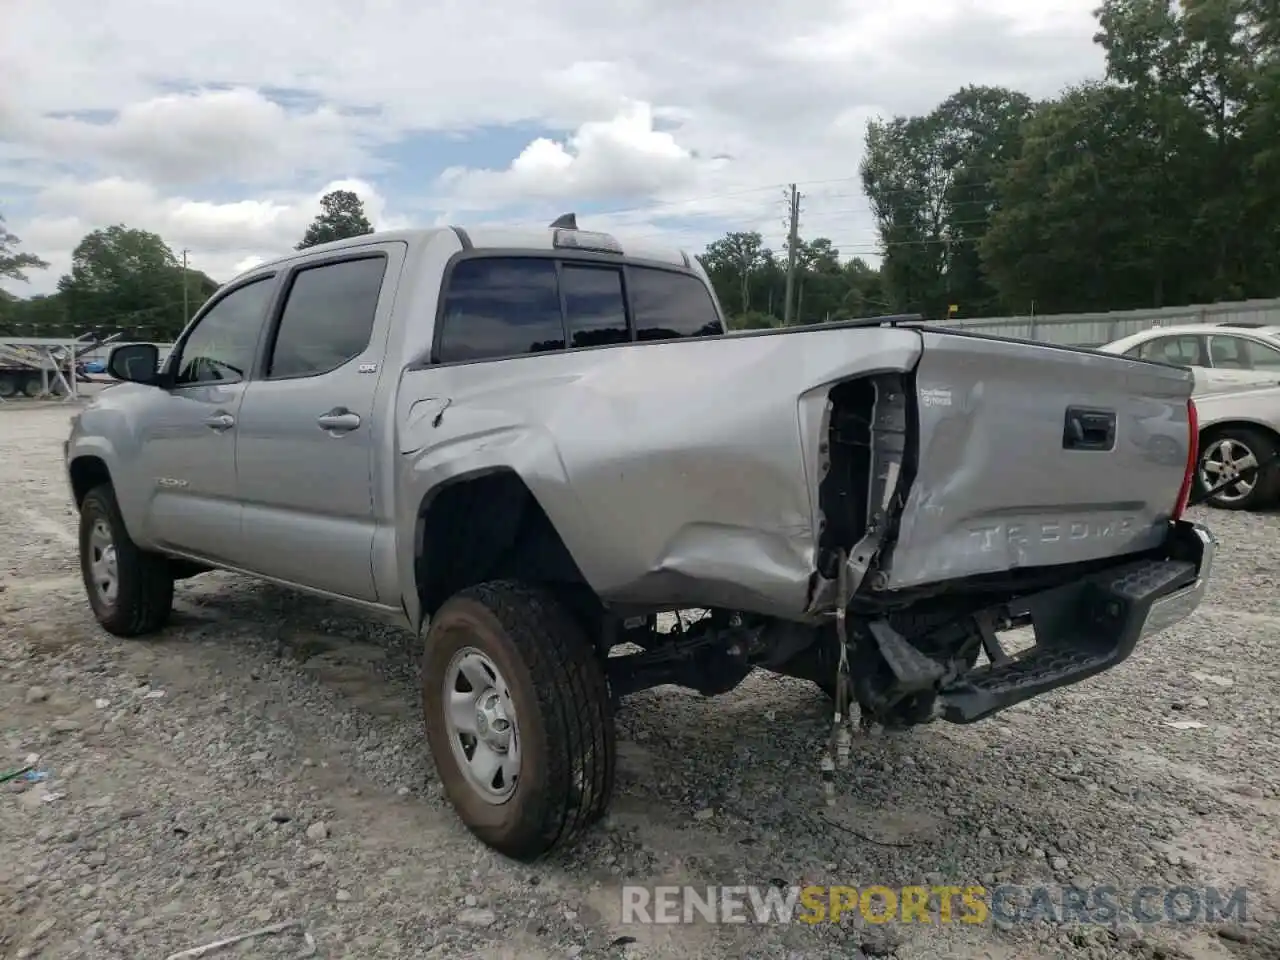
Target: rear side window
[512,306]
[327,318]
[669,305]
[1180,351]
[501,307]
[594,308]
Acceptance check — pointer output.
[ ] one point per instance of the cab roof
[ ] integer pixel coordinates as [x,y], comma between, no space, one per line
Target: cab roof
[549,239]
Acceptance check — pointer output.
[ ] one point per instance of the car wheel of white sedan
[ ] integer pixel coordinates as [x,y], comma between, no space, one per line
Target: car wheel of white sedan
[1235,454]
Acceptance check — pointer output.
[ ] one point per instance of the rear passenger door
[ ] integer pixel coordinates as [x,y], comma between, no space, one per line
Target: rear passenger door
[309,425]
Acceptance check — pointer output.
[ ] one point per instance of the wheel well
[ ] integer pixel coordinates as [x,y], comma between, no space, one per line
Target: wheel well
[1214,430]
[87,473]
[490,527]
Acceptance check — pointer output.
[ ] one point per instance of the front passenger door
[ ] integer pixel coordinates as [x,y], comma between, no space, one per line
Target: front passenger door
[188,447]
[310,428]
[1233,363]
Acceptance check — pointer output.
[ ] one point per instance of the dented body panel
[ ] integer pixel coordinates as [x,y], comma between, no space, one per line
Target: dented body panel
[1001,487]
[678,473]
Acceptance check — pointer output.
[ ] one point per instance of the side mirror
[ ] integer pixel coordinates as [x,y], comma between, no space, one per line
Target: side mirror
[135,362]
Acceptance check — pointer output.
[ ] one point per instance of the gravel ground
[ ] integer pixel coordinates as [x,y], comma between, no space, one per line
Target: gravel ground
[262,761]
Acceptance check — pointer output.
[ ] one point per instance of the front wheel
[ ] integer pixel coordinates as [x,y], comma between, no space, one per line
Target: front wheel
[1227,455]
[518,717]
[130,589]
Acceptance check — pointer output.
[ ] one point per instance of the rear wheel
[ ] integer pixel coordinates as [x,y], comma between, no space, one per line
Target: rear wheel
[1228,454]
[518,717]
[130,589]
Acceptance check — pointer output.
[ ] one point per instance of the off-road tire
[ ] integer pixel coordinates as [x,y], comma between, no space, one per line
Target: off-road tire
[1266,488]
[144,597]
[562,710]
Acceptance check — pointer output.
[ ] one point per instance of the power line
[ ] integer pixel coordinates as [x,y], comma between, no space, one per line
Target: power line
[661,204]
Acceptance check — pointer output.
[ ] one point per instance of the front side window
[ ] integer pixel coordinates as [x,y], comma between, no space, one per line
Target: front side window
[1262,356]
[222,344]
[501,307]
[327,318]
[669,305]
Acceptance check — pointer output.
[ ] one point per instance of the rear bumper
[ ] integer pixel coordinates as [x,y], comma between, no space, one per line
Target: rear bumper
[1087,627]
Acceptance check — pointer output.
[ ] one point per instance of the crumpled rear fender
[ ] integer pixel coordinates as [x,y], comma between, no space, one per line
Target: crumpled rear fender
[677,473]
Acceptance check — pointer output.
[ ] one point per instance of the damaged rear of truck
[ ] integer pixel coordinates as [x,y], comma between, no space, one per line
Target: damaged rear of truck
[543,448]
[866,505]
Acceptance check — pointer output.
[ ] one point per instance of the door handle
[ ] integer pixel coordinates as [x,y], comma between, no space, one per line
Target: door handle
[220,422]
[1087,429]
[338,420]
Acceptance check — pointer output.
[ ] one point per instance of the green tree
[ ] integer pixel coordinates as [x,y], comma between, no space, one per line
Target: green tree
[129,281]
[1097,212]
[1196,57]
[14,265]
[732,261]
[820,283]
[930,183]
[750,281]
[341,216]
[1160,185]
[864,292]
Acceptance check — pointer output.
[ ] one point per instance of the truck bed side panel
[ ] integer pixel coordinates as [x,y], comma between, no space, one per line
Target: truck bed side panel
[697,459]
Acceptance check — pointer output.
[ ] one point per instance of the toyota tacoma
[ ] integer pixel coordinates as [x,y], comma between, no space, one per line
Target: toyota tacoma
[533,447]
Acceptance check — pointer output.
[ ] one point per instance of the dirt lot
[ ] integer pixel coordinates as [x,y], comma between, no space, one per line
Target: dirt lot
[187,776]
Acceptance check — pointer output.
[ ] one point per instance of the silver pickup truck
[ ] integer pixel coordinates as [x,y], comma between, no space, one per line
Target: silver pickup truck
[531,446]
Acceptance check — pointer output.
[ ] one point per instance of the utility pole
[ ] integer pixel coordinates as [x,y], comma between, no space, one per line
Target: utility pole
[186,313]
[793,232]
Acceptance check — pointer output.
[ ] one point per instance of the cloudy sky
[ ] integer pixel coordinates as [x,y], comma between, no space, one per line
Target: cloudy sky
[219,125]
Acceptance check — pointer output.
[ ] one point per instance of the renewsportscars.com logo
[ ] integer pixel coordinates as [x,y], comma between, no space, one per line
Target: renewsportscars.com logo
[935,904]
[796,904]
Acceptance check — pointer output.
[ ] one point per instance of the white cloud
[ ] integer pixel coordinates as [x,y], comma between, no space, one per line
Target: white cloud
[223,239]
[620,158]
[210,135]
[156,114]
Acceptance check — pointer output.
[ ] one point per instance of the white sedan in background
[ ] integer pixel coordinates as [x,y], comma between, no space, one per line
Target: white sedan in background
[1219,355]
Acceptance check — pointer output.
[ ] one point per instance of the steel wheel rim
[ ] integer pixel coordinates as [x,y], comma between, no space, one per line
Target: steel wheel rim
[481,723]
[1223,459]
[103,562]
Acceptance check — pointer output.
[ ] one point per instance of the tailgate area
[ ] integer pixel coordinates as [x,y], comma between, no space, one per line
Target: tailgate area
[1031,455]
[1085,628]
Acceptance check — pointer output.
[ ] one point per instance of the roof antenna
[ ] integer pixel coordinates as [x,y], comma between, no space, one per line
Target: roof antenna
[566,221]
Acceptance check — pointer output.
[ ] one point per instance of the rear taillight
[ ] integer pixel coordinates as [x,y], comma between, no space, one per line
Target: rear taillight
[1193,459]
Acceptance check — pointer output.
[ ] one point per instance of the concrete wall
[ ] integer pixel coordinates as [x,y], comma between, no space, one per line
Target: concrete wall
[1095,329]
